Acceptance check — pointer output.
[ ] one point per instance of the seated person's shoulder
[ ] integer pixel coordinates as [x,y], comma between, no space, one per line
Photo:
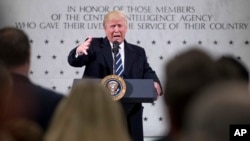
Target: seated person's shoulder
[45,92]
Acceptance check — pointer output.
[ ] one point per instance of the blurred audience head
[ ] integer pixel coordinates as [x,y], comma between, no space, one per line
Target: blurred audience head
[88,114]
[186,74]
[14,48]
[232,68]
[217,107]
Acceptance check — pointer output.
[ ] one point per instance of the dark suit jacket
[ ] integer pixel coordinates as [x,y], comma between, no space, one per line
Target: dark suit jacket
[99,63]
[31,102]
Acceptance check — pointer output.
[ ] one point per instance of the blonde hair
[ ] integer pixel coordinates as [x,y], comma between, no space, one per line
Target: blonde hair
[114,15]
[88,114]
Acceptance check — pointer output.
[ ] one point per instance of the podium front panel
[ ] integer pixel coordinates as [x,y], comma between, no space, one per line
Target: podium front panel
[137,90]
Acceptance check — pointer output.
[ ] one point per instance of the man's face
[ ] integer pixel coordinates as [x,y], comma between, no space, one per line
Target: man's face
[116,29]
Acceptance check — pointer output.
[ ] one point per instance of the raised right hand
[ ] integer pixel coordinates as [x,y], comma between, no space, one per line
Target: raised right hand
[82,49]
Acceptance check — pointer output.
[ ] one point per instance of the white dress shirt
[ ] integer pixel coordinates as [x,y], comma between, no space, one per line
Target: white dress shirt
[121,50]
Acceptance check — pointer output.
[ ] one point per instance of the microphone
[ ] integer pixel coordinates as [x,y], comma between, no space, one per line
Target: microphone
[115,47]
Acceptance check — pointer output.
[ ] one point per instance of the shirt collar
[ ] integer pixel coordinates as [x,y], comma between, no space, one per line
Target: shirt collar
[121,45]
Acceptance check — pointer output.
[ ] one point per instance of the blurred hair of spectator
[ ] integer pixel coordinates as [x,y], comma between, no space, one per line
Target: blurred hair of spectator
[88,114]
[232,68]
[209,117]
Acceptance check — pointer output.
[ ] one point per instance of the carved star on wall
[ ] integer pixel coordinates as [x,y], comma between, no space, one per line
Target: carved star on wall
[38,56]
[161,57]
[153,42]
[246,42]
[46,72]
[77,41]
[77,72]
[54,56]
[46,41]
[145,119]
[69,87]
[138,42]
[31,72]
[54,87]
[160,119]
[153,104]
[61,72]
[169,42]
[199,42]
[231,42]
[31,41]
[184,42]
[215,42]
[61,41]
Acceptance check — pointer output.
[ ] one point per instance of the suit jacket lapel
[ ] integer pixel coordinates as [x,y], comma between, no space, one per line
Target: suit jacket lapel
[130,56]
[107,53]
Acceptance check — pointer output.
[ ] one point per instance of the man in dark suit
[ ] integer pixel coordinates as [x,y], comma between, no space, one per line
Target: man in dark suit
[28,100]
[97,57]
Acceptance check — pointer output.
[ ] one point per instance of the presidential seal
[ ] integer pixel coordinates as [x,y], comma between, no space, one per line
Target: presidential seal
[115,85]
